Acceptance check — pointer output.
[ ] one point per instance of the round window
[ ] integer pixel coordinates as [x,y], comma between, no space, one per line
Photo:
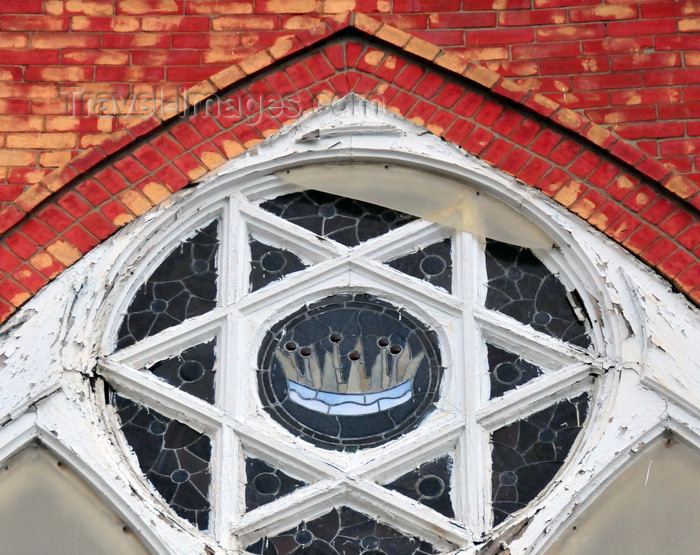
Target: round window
[350,370]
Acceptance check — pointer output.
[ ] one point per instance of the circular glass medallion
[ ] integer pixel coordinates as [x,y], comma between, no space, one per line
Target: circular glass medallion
[349,371]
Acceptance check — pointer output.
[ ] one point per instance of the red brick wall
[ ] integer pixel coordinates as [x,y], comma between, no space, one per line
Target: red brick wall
[632,67]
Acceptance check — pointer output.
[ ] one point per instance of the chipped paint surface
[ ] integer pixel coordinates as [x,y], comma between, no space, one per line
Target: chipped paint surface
[648,340]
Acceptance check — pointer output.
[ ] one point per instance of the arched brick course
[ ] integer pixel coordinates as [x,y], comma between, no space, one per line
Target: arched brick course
[616,187]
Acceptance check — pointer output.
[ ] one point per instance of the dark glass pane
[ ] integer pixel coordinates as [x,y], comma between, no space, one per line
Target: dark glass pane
[349,371]
[265,483]
[174,457]
[432,264]
[268,264]
[429,484]
[342,531]
[508,370]
[183,286]
[528,453]
[192,371]
[345,220]
[521,287]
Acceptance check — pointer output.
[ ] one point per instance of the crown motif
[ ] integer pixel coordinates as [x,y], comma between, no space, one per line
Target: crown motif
[394,365]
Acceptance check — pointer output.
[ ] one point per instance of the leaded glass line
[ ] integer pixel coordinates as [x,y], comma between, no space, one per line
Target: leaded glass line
[192,371]
[528,453]
[345,220]
[508,370]
[181,287]
[265,483]
[432,264]
[522,287]
[428,484]
[342,531]
[268,264]
[174,457]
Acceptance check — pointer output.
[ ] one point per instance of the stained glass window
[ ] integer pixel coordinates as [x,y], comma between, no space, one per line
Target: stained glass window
[508,370]
[428,484]
[342,530]
[522,287]
[183,286]
[349,371]
[174,457]
[345,220]
[192,371]
[528,453]
[265,483]
[346,356]
[432,264]
[268,264]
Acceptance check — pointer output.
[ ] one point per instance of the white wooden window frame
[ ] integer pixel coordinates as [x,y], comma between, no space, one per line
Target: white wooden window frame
[71,418]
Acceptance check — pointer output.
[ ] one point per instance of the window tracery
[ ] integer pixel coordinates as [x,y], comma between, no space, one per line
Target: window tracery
[342,337]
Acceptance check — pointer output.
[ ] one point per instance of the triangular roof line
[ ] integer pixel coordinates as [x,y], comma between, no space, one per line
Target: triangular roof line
[608,189]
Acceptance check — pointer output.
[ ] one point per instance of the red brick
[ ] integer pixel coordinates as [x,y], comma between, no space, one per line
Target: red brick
[641,238]
[469,103]
[477,141]
[514,18]
[299,75]
[546,51]
[186,135]
[319,66]
[34,23]
[603,175]
[83,240]
[585,164]
[13,292]
[658,251]
[640,198]
[422,111]
[37,232]
[566,152]
[165,145]
[410,75]
[459,131]
[98,225]
[29,278]
[150,157]
[55,217]
[172,178]
[658,211]
[680,76]
[8,261]
[498,36]
[423,6]
[488,113]
[93,192]
[533,171]
[515,160]
[496,151]
[641,28]
[622,186]
[20,245]
[130,74]
[507,122]
[111,180]
[676,263]
[546,141]
[145,41]
[165,57]
[430,84]
[676,222]
[691,237]
[621,228]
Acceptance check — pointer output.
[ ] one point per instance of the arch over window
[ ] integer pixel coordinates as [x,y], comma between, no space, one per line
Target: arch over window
[277,364]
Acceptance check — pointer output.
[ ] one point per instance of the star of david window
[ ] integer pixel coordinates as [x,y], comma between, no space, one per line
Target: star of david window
[299,372]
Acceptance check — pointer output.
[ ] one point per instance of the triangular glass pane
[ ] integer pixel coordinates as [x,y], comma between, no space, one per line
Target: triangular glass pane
[522,287]
[432,264]
[265,483]
[508,370]
[268,264]
[192,371]
[183,286]
[528,453]
[428,484]
[174,457]
[342,530]
[345,220]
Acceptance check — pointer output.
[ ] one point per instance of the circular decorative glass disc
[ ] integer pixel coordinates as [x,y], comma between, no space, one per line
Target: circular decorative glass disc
[349,371]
